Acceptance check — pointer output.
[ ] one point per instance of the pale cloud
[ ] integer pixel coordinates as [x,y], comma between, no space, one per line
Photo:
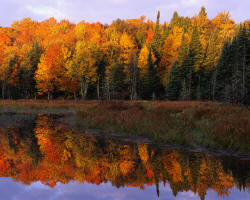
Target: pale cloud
[47,12]
[118,1]
[192,2]
[106,11]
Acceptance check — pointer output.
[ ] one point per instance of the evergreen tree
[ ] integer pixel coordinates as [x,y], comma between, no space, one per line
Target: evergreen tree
[240,79]
[133,76]
[222,75]
[179,21]
[175,19]
[247,79]
[195,49]
[191,66]
[211,55]
[231,77]
[187,73]
[151,82]
[115,82]
[243,69]
[234,65]
[183,50]
[156,43]
[165,34]
[174,83]
[196,52]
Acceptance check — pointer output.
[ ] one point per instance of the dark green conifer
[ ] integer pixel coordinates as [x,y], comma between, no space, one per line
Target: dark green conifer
[151,82]
[156,43]
[174,83]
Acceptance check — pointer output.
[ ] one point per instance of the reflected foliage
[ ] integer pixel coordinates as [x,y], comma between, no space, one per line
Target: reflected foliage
[45,149]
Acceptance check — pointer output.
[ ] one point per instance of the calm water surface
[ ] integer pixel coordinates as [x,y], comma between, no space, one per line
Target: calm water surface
[50,157]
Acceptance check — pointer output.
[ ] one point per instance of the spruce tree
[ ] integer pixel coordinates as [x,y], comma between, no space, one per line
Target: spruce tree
[174,83]
[231,77]
[156,43]
[195,49]
[197,56]
[247,96]
[243,64]
[212,53]
[175,19]
[187,73]
[177,74]
[117,85]
[232,92]
[191,64]
[222,74]
[183,50]
[151,82]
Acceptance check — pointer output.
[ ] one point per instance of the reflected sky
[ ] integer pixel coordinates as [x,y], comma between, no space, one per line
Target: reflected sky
[45,158]
[11,190]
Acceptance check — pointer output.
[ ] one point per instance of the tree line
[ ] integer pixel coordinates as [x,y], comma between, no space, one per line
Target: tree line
[186,59]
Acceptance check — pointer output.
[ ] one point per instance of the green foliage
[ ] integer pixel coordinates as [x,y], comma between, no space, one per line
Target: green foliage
[151,81]
[156,44]
[231,77]
[174,83]
[180,21]
[28,70]
[116,81]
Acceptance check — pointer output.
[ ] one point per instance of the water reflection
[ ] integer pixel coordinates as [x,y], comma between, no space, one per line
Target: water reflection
[45,150]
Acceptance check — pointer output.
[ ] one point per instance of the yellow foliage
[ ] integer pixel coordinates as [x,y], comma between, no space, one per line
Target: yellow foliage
[127,46]
[143,152]
[143,60]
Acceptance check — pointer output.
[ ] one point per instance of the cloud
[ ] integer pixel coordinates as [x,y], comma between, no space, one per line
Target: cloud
[46,11]
[118,1]
[106,11]
[192,2]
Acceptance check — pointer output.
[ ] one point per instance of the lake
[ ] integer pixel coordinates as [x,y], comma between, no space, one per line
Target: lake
[52,157]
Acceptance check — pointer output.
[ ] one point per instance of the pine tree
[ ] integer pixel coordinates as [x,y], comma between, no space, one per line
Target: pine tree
[115,87]
[151,82]
[187,73]
[222,74]
[231,77]
[243,41]
[191,66]
[240,64]
[195,49]
[156,43]
[174,83]
[212,53]
[196,52]
[175,18]
[247,96]
[233,62]
[183,50]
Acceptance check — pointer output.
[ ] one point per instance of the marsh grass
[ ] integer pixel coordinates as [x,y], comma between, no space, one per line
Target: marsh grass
[205,124]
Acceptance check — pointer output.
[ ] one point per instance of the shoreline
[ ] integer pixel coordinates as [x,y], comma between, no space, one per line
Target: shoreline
[203,125]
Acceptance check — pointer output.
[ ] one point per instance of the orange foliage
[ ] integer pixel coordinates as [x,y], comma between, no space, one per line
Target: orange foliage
[149,172]
[150,34]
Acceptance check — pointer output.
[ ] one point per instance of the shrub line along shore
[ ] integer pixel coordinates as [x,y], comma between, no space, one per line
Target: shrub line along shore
[216,126]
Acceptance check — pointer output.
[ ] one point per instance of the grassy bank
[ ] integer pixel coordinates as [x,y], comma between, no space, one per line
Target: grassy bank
[212,125]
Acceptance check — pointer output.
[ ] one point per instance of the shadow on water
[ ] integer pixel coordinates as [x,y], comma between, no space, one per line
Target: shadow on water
[44,148]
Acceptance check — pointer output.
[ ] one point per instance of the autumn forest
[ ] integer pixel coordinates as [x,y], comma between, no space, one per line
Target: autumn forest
[186,59]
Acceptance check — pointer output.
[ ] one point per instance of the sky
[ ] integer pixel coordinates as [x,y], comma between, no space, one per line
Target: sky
[11,190]
[105,11]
